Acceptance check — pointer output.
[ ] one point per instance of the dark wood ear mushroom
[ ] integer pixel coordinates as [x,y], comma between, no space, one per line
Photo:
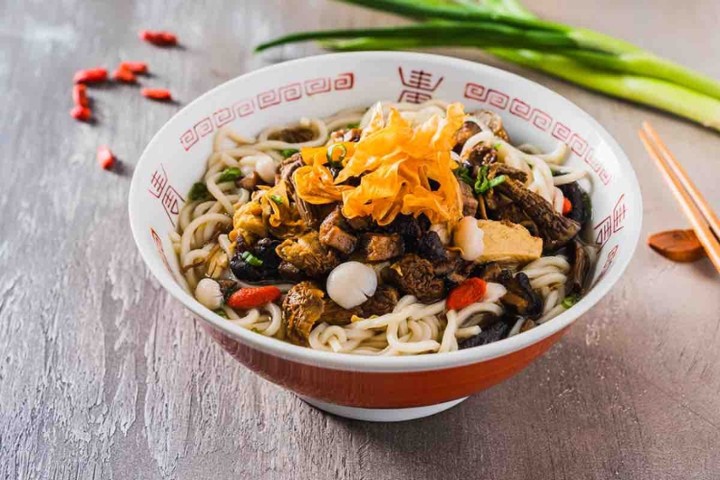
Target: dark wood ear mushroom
[677,245]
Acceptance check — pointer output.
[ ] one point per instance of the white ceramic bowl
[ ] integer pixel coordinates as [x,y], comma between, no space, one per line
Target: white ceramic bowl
[381,388]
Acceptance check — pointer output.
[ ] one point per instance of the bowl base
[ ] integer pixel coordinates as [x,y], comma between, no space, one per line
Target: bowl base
[381,414]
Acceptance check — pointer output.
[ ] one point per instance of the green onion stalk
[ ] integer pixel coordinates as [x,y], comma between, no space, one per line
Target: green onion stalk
[507,30]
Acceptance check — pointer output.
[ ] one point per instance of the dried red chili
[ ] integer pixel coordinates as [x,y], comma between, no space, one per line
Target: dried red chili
[124,75]
[90,75]
[105,157]
[156,94]
[135,67]
[79,94]
[160,38]
[81,113]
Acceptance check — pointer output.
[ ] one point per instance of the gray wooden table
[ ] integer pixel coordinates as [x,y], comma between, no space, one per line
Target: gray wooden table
[103,376]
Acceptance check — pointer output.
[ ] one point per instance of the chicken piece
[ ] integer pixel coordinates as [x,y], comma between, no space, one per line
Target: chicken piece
[413,275]
[378,247]
[308,255]
[333,233]
[359,223]
[507,242]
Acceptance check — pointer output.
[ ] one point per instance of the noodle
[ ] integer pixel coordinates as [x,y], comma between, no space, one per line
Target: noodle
[204,248]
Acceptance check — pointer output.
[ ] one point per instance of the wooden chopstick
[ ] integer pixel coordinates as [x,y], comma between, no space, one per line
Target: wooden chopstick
[702,204]
[687,201]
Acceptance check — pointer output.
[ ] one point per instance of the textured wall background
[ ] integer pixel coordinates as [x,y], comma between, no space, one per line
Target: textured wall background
[102,376]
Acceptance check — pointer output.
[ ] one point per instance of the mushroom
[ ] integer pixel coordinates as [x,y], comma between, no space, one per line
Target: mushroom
[580,270]
[208,293]
[351,284]
[520,298]
[555,229]
[468,237]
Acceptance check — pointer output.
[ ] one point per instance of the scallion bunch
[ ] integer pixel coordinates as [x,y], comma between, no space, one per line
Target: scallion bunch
[507,30]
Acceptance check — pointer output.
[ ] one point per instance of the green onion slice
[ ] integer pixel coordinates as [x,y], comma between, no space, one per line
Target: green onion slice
[288,152]
[251,259]
[569,301]
[230,174]
[331,154]
[199,191]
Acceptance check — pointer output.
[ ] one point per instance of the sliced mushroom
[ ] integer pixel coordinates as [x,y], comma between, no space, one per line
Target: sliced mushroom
[520,298]
[579,200]
[580,269]
[492,333]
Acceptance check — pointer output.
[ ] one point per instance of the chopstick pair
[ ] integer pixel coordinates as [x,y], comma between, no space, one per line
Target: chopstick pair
[704,221]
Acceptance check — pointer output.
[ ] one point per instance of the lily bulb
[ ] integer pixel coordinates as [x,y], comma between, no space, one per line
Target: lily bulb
[351,284]
[468,237]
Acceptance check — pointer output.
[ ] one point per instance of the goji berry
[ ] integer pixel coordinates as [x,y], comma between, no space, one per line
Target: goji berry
[124,75]
[253,297]
[79,94]
[105,157]
[135,67]
[468,292]
[160,38]
[81,113]
[90,75]
[156,93]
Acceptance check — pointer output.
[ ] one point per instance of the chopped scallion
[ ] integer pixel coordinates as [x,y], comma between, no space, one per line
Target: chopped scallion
[569,301]
[288,152]
[198,191]
[336,162]
[251,259]
[230,174]
[277,199]
[464,175]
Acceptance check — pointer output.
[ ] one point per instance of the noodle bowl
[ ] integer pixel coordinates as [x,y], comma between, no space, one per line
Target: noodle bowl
[521,289]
